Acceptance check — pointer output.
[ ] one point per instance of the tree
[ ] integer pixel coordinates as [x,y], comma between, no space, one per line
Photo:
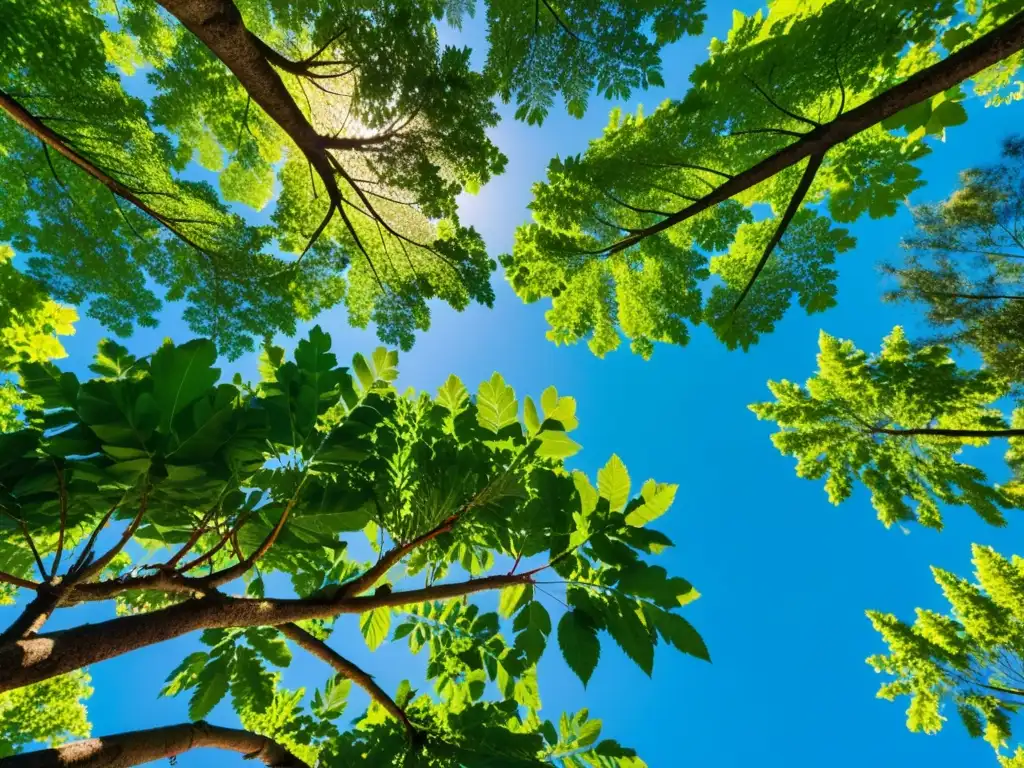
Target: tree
[30,324]
[369,150]
[966,263]
[971,657]
[51,711]
[897,422]
[202,486]
[814,111]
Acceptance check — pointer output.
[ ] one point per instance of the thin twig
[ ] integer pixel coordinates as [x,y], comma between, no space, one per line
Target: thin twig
[783,110]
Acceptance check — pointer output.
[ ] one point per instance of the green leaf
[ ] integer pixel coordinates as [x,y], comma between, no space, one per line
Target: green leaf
[181,375]
[184,675]
[681,634]
[453,395]
[375,625]
[270,645]
[511,598]
[556,445]
[363,372]
[587,734]
[530,417]
[211,686]
[496,404]
[652,582]
[330,704]
[578,641]
[252,687]
[112,360]
[588,494]
[657,499]
[628,630]
[385,364]
[47,382]
[613,483]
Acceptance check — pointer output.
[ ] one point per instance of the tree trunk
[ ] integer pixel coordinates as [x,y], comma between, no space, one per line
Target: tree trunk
[219,25]
[123,750]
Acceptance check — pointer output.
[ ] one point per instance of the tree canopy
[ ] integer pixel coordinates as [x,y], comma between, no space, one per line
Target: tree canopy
[263,161]
[212,486]
[966,263]
[816,112]
[348,115]
[30,326]
[970,656]
[897,422]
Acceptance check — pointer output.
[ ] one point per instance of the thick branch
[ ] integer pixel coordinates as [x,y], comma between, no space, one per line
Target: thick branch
[983,433]
[987,50]
[44,656]
[123,750]
[35,614]
[794,205]
[219,25]
[347,669]
[17,581]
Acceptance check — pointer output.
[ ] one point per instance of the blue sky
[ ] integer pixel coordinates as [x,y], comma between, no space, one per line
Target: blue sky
[785,577]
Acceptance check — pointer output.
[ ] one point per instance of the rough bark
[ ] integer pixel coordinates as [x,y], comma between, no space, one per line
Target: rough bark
[29,660]
[123,750]
[219,25]
[987,50]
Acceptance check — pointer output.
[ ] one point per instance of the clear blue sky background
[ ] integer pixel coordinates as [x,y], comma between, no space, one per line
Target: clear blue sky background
[785,577]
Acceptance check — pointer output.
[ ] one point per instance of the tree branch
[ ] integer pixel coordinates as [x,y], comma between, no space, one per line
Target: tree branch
[35,614]
[390,558]
[936,432]
[26,120]
[779,131]
[987,50]
[28,540]
[227,575]
[124,750]
[561,23]
[347,669]
[88,570]
[794,205]
[17,581]
[40,657]
[783,110]
[219,25]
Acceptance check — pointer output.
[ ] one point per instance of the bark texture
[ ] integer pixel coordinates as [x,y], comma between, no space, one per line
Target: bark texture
[43,656]
[123,750]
